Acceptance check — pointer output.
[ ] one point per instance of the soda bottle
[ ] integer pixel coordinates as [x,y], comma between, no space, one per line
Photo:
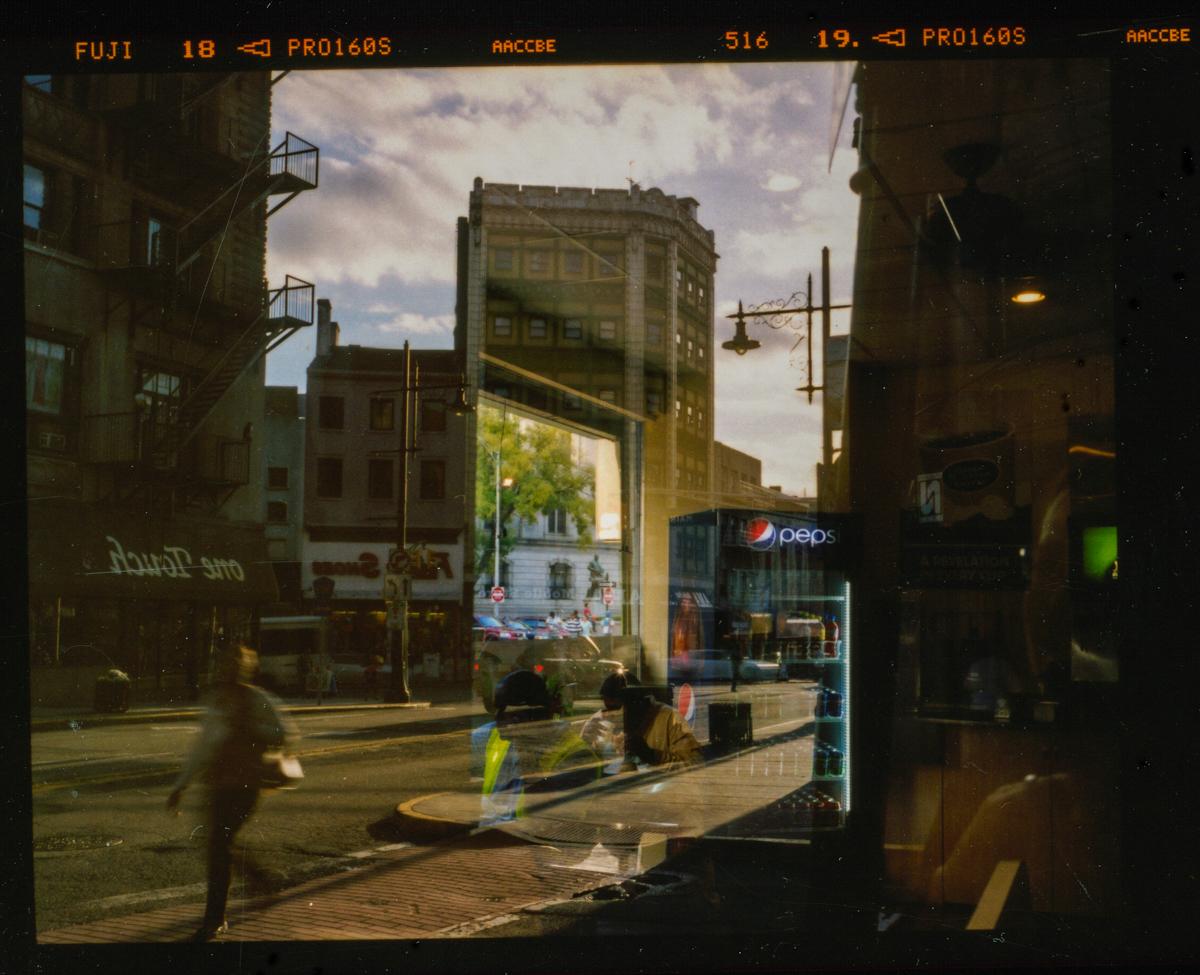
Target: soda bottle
[836,762]
[832,630]
[833,704]
[820,761]
[820,706]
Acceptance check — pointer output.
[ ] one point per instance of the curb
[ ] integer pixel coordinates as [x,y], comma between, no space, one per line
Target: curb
[92,719]
[430,827]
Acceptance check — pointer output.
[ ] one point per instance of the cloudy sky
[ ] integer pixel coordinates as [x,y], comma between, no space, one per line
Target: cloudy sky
[401,149]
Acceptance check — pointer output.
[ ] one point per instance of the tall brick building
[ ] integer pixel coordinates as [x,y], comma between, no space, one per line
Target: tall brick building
[594,309]
[146,200]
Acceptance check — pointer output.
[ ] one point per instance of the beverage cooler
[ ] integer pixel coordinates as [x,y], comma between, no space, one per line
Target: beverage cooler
[769,594]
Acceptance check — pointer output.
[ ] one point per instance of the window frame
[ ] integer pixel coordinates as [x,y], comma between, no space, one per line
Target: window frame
[324,462]
[426,487]
[375,481]
[271,486]
[374,418]
[430,408]
[329,399]
[274,506]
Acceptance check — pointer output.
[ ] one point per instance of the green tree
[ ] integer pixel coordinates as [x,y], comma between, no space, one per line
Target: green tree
[537,458]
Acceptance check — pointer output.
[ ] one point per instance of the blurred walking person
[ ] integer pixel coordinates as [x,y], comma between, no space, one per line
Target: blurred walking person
[241,724]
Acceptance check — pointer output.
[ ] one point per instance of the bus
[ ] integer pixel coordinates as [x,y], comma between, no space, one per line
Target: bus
[290,648]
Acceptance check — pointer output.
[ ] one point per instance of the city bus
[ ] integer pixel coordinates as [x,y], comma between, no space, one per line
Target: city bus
[289,649]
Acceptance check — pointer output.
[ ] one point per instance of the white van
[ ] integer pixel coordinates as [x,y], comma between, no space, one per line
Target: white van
[289,648]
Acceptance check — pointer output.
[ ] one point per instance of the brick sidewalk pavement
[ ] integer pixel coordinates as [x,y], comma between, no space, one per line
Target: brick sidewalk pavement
[415,892]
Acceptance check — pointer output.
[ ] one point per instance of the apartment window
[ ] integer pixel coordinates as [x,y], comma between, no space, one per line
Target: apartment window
[277,478]
[433,415]
[433,480]
[701,296]
[162,393]
[329,477]
[607,330]
[537,328]
[538,261]
[690,417]
[608,395]
[502,259]
[573,328]
[501,327]
[556,522]
[331,413]
[560,580]
[573,262]
[653,403]
[691,291]
[678,279]
[572,402]
[379,479]
[678,409]
[691,347]
[277,512]
[610,265]
[45,371]
[653,333]
[654,267]
[383,413]
[35,196]
[42,82]
[155,242]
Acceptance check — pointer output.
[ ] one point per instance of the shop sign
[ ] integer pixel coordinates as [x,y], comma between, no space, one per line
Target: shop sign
[970,475]
[173,562]
[367,566]
[964,566]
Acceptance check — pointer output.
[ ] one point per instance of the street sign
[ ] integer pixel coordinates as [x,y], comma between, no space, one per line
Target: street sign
[398,562]
[393,586]
[607,595]
[497,594]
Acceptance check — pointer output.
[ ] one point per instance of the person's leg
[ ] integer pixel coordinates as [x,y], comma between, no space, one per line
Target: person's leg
[229,811]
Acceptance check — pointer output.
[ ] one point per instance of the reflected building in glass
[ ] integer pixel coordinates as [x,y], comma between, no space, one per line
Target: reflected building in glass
[593,309]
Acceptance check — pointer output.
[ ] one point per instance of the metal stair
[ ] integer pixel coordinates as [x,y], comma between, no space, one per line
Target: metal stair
[287,310]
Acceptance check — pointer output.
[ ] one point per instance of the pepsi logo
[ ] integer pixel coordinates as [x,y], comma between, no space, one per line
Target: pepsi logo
[760,534]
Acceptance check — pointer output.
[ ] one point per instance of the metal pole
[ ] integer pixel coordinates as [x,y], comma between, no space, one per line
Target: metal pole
[496,523]
[399,692]
[826,434]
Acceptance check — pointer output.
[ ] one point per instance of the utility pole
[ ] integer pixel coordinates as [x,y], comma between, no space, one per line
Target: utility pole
[398,692]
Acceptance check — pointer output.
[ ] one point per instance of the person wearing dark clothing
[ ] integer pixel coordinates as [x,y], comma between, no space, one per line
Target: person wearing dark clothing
[242,722]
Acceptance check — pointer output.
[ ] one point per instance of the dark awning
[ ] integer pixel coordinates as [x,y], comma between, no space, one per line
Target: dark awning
[81,550]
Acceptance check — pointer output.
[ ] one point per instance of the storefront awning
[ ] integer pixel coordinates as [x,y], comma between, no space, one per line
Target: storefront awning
[79,550]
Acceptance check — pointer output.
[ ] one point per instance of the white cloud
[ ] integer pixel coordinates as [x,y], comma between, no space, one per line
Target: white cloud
[409,323]
[782,182]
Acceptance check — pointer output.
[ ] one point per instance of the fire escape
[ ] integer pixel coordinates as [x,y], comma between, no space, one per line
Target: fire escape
[160,270]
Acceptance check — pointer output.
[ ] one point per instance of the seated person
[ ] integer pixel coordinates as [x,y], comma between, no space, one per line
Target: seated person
[604,731]
[655,733]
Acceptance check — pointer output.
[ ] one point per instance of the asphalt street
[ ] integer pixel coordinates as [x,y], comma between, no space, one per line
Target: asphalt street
[104,844]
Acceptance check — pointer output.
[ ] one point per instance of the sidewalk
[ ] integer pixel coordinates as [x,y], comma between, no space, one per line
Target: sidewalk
[572,842]
[59,719]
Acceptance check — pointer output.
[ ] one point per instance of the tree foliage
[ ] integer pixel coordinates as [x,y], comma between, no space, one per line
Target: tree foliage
[545,477]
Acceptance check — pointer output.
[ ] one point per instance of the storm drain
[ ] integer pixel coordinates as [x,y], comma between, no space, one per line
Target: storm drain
[75,844]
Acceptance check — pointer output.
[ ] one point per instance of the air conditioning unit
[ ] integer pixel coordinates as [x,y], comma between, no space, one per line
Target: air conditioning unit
[52,441]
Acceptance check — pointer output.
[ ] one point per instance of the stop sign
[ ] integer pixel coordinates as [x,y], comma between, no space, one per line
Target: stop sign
[497,594]
[607,595]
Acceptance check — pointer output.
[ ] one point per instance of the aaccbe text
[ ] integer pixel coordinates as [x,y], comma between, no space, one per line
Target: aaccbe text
[531,45]
[173,562]
[1159,35]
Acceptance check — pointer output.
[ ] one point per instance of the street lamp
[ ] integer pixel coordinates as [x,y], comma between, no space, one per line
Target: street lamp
[505,482]
[398,690]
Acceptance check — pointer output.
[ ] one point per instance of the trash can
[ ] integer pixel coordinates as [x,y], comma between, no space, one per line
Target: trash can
[112,691]
[730,724]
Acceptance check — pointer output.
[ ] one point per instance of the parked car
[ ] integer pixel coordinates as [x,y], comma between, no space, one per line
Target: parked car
[349,670]
[716,666]
[586,673]
[537,627]
[490,628]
